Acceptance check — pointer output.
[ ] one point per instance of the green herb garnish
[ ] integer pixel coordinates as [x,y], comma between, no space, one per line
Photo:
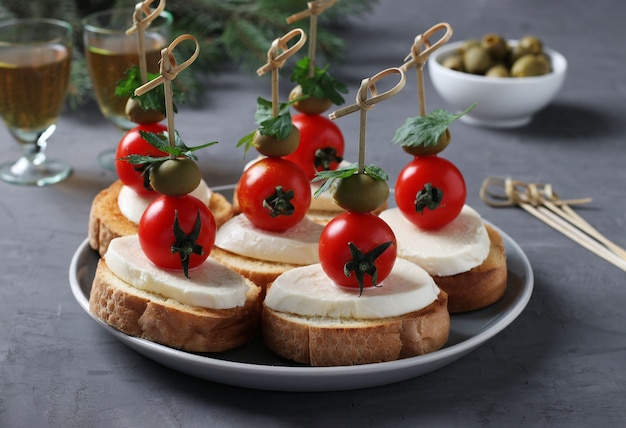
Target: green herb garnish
[160,141]
[321,85]
[331,176]
[151,100]
[279,126]
[426,130]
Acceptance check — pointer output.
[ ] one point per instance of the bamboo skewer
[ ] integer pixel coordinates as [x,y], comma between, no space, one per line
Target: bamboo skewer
[169,70]
[420,52]
[567,213]
[363,104]
[142,18]
[575,234]
[278,53]
[314,9]
[544,204]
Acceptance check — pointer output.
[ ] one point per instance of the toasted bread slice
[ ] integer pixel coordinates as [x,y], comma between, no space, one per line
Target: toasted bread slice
[481,286]
[106,221]
[159,319]
[341,342]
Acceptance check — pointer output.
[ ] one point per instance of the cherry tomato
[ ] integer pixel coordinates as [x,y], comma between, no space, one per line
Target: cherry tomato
[369,235]
[442,175]
[133,143]
[274,194]
[158,234]
[317,133]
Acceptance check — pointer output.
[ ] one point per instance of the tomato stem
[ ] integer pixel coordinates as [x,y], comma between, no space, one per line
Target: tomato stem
[279,203]
[428,197]
[186,244]
[364,264]
[325,157]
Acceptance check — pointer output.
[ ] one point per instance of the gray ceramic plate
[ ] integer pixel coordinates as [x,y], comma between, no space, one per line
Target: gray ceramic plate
[253,366]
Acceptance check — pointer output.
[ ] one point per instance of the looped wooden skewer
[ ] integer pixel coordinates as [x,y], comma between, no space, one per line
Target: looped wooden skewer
[500,192]
[315,8]
[142,18]
[503,192]
[364,104]
[169,70]
[542,202]
[277,54]
[420,52]
[419,56]
[144,15]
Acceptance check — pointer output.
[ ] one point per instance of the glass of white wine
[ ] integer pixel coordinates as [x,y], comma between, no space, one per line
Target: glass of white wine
[110,52]
[35,62]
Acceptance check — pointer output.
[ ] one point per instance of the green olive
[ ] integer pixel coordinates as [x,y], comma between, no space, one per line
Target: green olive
[495,45]
[139,115]
[269,145]
[309,105]
[530,65]
[467,44]
[421,150]
[453,62]
[526,45]
[361,193]
[175,177]
[498,70]
[477,60]
[531,44]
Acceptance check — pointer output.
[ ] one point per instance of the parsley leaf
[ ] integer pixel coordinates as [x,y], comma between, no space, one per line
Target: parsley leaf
[151,100]
[425,130]
[160,141]
[279,126]
[332,176]
[321,85]
[247,141]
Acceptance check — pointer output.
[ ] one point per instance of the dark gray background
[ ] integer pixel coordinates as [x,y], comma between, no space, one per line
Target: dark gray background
[561,363]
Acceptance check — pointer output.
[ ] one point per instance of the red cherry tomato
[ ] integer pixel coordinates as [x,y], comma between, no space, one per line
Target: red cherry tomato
[367,233]
[157,233]
[441,174]
[267,179]
[317,133]
[133,143]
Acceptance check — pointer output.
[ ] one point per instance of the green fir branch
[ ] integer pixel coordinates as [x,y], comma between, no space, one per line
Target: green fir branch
[229,32]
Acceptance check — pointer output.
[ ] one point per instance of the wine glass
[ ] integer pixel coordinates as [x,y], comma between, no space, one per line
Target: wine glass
[35,62]
[109,52]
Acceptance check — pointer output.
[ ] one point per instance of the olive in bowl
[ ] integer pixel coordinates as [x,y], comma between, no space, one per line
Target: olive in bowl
[501,102]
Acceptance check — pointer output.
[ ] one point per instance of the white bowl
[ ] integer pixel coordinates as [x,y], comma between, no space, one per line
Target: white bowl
[500,102]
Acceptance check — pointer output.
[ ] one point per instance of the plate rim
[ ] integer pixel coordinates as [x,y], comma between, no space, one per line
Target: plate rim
[254,375]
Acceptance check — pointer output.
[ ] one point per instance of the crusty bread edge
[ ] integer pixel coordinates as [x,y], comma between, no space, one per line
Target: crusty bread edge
[158,319]
[481,286]
[261,272]
[326,342]
[107,222]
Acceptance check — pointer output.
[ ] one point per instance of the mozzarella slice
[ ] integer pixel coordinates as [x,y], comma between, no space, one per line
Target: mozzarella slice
[297,245]
[132,205]
[210,285]
[307,291]
[457,247]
